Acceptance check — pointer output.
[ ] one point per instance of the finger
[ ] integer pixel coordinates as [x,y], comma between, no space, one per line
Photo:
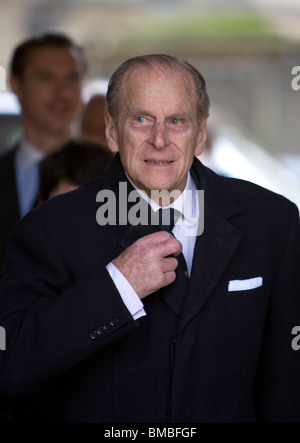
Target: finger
[161,245]
[156,237]
[169,264]
[169,277]
[172,247]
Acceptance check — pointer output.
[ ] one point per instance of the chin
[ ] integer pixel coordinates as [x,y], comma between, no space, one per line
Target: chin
[159,186]
[60,129]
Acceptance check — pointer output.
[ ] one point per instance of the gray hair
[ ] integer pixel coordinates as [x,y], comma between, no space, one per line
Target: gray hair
[152,60]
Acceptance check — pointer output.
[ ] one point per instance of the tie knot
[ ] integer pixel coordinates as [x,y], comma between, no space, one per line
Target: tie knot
[167,218]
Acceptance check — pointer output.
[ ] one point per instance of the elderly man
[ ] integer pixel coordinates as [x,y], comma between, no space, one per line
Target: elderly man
[143,325]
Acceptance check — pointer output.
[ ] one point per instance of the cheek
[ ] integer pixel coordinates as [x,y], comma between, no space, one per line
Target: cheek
[76,93]
[188,147]
[36,96]
[32,104]
[129,145]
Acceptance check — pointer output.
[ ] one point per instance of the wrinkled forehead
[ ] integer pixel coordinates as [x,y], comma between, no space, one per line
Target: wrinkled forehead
[157,72]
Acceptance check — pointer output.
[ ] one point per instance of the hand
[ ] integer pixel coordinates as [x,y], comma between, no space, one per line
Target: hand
[149,263]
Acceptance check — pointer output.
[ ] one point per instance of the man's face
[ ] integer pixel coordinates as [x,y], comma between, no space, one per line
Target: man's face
[93,125]
[49,90]
[157,132]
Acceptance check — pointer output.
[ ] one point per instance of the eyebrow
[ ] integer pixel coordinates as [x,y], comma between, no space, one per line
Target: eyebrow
[136,111]
[39,72]
[180,115]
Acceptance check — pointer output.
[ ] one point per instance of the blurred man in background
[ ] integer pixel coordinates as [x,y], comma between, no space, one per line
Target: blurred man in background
[46,76]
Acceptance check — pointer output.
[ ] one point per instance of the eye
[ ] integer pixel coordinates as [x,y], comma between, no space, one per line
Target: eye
[44,77]
[140,119]
[74,77]
[175,122]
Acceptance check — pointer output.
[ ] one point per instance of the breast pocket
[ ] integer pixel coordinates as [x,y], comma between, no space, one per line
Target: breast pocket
[246,297]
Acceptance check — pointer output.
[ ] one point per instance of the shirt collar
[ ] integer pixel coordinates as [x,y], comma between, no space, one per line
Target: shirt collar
[185,203]
[28,155]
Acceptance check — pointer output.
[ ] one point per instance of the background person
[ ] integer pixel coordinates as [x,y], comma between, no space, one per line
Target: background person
[131,335]
[46,76]
[92,121]
[74,164]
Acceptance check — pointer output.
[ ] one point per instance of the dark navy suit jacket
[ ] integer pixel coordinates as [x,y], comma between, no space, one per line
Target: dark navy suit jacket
[226,357]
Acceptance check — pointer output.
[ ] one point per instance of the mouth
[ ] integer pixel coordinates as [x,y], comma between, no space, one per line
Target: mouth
[158,163]
[59,109]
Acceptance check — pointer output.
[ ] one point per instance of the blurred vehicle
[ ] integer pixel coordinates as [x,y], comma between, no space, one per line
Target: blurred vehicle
[10,120]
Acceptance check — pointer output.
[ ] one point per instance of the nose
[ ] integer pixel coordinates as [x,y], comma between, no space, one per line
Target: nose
[160,137]
[64,90]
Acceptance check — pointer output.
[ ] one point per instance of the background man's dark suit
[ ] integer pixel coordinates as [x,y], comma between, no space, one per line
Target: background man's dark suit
[10,212]
[226,358]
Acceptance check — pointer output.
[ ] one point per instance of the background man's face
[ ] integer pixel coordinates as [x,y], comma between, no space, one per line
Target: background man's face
[158,132]
[50,89]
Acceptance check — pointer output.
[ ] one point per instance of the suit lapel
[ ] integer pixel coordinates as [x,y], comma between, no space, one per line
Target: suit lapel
[213,252]
[126,232]
[133,233]
[216,246]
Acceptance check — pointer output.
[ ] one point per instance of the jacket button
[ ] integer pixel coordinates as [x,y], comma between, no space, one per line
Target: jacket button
[99,331]
[93,335]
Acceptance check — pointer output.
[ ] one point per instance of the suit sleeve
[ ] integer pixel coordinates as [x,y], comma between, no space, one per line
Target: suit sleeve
[52,321]
[278,383]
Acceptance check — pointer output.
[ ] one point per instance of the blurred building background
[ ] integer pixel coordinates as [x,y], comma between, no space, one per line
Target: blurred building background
[245,49]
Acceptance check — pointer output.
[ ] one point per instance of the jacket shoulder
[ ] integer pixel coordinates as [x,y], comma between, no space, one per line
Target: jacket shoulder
[75,205]
[7,156]
[255,195]
[248,196]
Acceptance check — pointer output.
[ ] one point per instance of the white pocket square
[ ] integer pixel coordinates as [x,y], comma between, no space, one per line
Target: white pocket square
[245,285]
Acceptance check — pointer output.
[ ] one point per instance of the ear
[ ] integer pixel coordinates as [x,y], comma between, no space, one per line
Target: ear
[16,86]
[111,133]
[201,138]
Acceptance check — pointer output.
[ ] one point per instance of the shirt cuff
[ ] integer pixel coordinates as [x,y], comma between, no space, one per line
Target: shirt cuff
[130,298]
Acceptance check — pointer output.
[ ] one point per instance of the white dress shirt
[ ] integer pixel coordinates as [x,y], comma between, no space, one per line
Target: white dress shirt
[187,204]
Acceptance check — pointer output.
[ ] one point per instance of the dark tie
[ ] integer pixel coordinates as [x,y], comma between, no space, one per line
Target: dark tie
[174,293]
[167,220]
